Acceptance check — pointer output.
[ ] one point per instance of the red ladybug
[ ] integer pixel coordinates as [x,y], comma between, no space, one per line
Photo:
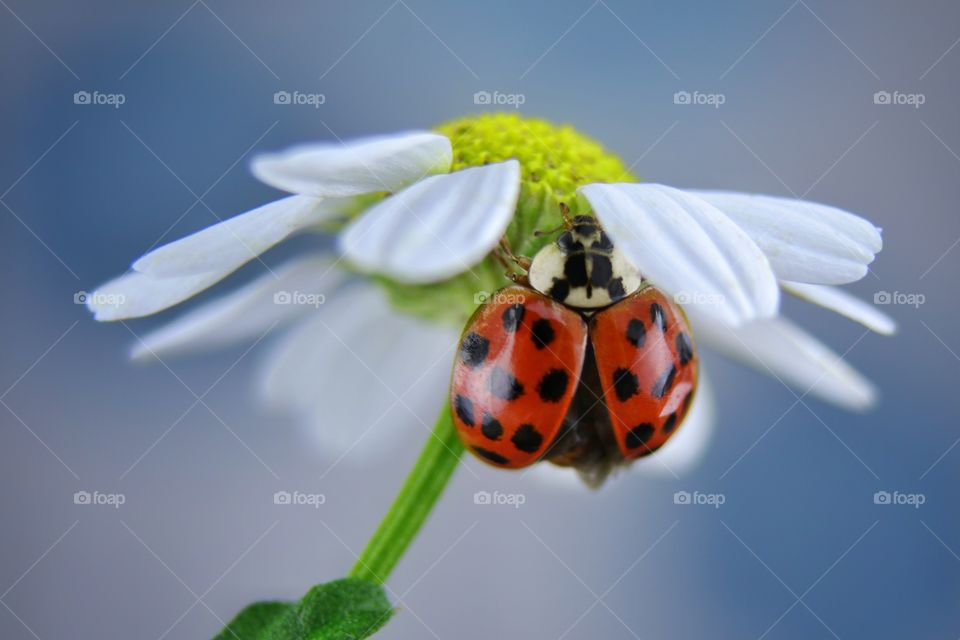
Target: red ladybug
[583,364]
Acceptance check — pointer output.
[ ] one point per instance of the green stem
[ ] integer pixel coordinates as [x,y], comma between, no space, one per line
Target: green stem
[413,504]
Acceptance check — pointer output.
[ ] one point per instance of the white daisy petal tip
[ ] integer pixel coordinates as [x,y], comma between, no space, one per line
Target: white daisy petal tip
[134,295]
[805,241]
[359,166]
[689,248]
[437,228]
[845,304]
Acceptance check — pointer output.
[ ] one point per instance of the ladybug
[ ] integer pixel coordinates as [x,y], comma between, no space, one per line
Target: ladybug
[580,363]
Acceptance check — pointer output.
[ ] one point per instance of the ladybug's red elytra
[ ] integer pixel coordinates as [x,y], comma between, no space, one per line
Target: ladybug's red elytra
[581,364]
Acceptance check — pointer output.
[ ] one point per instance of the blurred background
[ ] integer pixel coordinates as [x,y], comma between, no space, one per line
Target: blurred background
[182,92]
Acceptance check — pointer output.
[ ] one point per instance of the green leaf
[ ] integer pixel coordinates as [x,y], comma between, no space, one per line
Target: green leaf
[346,609]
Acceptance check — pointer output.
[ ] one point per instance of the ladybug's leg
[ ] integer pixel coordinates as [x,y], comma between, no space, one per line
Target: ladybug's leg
[504,254]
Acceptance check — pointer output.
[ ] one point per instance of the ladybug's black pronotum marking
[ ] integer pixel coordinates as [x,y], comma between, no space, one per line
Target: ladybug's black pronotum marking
[553,385]
[512,317]
[625,383]
[684,348]
[492,456]
[615,289]
[560,290]
[526,438]
[639,435]
[464,409]
[503,385]
[636,333]
[491,427]
[543,333]
[474,349]
[664,382]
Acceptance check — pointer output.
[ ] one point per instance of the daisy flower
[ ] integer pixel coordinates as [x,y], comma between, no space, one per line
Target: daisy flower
[420,214]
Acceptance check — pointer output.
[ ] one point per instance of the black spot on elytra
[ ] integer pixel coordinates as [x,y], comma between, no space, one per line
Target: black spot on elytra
[601,271]
[543,333]
[670,423]
[512,317]
[664,382]
[527,438]
[575,270]
[639,435]
[684,348]
[560,290]
[636,332]
[464,408]
[491,456]
[504,386]
[553,385]
[658,317]
[474,349]
[491,427]
[625,383]
[615,289]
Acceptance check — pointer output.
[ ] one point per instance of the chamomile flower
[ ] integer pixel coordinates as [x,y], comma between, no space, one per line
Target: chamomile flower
[421,213]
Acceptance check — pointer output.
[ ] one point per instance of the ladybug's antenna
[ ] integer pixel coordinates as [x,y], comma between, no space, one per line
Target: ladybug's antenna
[567,222]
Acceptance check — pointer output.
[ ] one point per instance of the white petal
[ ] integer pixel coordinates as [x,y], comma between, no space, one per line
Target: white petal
[804,241]
[438,227]
[365,165]
[290,291]
[685,449]
[783,350]
[226,246]
[845,304]
[340,372]
[133,294]
[688,248]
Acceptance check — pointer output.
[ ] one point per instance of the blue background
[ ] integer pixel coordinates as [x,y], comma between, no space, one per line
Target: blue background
[798,550]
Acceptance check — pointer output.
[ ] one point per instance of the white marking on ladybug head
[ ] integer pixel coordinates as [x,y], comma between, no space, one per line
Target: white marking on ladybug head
[583,269]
